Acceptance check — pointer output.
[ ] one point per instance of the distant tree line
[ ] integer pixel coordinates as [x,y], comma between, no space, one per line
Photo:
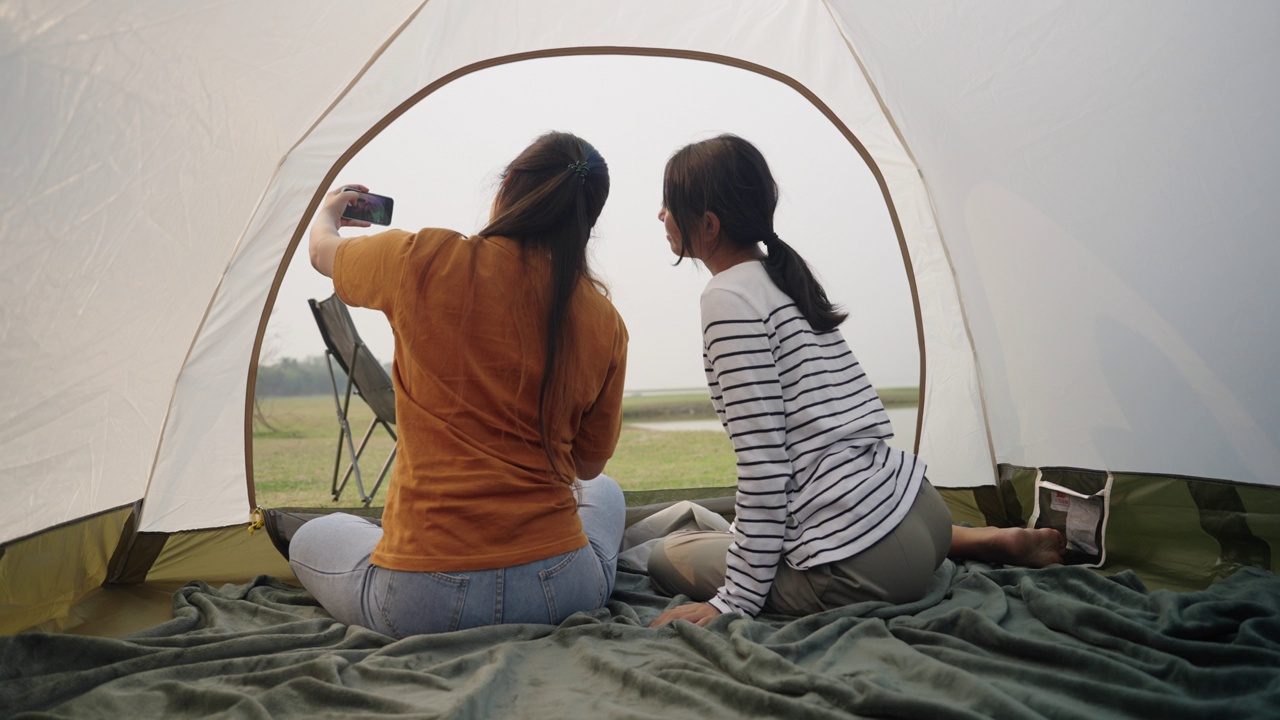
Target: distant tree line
[290,377]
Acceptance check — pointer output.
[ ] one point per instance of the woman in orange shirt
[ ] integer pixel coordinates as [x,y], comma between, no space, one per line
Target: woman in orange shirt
[508,372]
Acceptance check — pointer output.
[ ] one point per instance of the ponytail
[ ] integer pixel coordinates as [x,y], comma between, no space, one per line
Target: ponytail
[728,176]
[792,275]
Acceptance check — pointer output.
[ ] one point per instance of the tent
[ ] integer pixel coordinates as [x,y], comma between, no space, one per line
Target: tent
[1083,193]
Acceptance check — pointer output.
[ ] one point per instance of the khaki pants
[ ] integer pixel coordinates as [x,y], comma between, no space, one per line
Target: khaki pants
[896,569]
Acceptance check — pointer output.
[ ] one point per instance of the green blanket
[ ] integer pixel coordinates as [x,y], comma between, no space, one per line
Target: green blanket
[1060,642]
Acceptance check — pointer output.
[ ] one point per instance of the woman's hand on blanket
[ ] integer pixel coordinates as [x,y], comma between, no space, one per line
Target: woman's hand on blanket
[700,613]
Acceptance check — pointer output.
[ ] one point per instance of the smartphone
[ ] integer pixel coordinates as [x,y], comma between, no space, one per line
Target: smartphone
[370,208]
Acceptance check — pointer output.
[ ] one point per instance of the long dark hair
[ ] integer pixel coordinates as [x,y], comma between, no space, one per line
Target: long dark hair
[728,176]
[551,196]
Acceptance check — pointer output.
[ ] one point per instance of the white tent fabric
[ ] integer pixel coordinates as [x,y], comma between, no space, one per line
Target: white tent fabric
[140,138]
[1105,175]
[1085,191]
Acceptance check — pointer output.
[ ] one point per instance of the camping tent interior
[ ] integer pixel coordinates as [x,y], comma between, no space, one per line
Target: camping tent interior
[1083,194]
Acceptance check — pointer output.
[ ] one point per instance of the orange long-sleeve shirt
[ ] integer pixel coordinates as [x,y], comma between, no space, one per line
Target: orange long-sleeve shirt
[472,488]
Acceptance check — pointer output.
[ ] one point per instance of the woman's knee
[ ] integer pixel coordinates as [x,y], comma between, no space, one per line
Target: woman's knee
[690,563]
[602,492]
[335,542]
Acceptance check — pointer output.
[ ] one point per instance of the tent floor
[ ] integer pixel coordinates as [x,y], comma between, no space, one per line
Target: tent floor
[118,611]
[218,557]
[232,555]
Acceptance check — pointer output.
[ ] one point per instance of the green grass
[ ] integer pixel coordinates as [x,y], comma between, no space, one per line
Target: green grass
[293,451]
[662,459]
[295,440]
[897,397]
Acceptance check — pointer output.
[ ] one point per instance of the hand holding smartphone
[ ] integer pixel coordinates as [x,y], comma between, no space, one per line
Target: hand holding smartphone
[369,207]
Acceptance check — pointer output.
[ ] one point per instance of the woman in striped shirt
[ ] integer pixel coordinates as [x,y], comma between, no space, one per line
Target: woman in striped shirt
[827,513]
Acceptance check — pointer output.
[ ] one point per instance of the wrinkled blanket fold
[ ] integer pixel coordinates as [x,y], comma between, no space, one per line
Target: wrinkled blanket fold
[1060,642]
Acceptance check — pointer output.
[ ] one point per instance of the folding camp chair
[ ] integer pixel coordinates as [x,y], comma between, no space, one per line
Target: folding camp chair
[364,374]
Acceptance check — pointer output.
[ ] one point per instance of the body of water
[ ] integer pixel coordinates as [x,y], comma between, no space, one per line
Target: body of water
[903,419]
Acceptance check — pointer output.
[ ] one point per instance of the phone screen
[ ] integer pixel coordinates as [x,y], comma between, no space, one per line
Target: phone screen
[370,208]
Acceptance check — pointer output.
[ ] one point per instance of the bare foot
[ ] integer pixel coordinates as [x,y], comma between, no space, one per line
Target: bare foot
[1031,548]
[1009,546]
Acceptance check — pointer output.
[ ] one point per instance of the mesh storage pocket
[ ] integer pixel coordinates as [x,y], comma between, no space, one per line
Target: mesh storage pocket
[1077,505]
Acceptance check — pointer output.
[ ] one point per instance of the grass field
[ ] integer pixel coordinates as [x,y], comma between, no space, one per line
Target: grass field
[295,441]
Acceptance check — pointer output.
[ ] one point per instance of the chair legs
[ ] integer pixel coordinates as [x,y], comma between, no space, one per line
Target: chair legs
[353,468]
[345,437]
[386,466]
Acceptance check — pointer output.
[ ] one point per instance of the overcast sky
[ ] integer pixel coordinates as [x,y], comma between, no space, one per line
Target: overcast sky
[441,163]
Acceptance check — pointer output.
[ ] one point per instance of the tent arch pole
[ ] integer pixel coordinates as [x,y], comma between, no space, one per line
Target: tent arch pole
[459,73]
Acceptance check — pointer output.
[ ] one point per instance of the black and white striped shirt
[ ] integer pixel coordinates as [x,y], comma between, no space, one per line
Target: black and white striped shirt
[816,481]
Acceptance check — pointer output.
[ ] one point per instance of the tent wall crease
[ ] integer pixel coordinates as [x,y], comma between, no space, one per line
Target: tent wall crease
[446,36]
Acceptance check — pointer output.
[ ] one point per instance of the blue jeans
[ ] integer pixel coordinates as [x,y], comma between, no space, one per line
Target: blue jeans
[330,557]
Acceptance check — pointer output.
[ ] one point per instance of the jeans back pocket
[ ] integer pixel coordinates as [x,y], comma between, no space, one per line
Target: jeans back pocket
[416,603]
[573,584]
